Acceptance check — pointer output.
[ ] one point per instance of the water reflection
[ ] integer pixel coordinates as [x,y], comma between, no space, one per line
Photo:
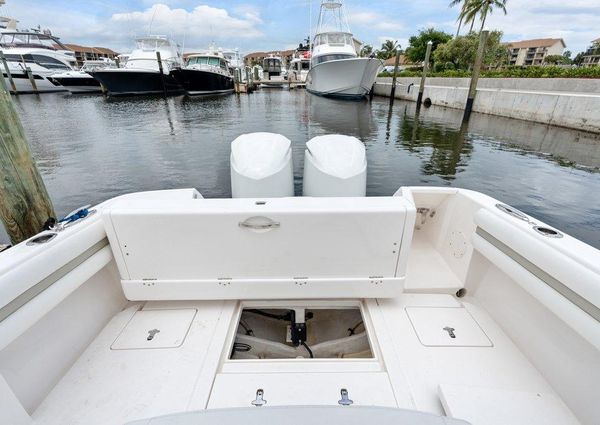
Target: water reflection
[444,150]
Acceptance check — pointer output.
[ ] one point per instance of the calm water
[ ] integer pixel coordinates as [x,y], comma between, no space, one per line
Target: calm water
[89,148]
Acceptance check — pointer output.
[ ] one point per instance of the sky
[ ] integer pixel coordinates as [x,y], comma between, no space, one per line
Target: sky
[259,25]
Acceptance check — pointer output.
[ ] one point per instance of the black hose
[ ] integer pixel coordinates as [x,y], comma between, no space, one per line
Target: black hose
[308,349]
[287,316]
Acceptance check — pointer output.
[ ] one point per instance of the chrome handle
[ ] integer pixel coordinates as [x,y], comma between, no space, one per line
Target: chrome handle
[254,224]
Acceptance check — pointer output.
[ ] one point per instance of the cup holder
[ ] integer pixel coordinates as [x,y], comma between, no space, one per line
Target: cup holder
[548,232]
[41,238]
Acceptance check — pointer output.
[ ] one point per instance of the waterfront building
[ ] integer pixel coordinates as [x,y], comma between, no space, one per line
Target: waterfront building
[534,52]
[85,53]
[592,54]
[403,63]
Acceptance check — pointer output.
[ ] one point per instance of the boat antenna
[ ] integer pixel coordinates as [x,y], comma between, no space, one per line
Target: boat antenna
[151,21]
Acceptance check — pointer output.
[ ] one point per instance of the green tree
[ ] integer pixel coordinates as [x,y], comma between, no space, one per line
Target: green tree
[461,51]
[415,51]
[557,60]
[567,54]
[578,59]
[366,50]
[388,50]
[472,8]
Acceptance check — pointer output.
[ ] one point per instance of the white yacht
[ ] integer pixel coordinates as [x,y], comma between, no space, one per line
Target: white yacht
[81,81]
[299,67]
[142,73]
[336,70]
[234,57]
[40,52]
[431,306]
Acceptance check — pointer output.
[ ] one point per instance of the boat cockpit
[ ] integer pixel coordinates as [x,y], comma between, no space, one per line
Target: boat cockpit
[435,305]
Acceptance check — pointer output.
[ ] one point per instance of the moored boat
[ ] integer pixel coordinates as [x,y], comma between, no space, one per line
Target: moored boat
[81,81]
[336,70]
[32,57]
[142,74]
[205,74]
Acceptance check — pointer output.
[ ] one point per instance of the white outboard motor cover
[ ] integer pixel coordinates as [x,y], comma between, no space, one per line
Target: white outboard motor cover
[335,165]
[261,166]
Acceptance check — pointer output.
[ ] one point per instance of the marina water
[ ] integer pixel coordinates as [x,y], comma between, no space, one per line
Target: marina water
[91,148]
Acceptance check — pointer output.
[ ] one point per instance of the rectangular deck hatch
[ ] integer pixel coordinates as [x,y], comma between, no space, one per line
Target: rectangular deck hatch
[326,333]
[447,327]
[155,329]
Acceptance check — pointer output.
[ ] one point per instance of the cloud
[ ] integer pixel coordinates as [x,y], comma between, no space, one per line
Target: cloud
[373,20]
[198,27]
[202,21]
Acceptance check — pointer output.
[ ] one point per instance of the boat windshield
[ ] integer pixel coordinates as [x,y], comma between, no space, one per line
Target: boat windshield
[151,44]
[334,39]
[272,65]
[205,60]
[333,57]
[42,60]
[26,39]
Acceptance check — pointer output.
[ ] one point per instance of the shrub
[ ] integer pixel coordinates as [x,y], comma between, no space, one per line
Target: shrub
[510,72]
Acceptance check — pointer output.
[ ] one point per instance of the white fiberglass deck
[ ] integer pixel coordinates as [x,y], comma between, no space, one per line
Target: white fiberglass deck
[107,386]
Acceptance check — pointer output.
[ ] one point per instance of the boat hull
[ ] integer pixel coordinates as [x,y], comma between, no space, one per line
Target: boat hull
[198,82]
[79,85]
[344,78]
[129,82]
[23,85]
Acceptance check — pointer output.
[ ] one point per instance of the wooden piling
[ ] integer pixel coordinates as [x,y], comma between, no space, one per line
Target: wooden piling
[424,76]
[393,92]
[118,62]
[162,74]
[31,80]
[25,205]
[475,75]
[8,74]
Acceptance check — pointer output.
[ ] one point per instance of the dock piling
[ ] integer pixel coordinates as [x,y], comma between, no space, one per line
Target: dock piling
[162,74]
[8,74]
[25,205]
[475,75]
[424,76]
[393,92]
[31,79]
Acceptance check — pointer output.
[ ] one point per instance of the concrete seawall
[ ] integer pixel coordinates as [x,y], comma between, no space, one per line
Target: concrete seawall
[565,102]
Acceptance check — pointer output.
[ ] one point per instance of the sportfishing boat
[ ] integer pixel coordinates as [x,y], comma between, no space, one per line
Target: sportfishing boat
[143,73]
[205,74]
[32,57]
[336,70]
[81,81]
[434,305]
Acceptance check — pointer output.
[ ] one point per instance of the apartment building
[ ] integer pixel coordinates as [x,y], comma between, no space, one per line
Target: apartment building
[592,55]
[84,53]
[533,52]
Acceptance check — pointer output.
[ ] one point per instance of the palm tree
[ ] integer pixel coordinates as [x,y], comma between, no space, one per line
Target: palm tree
[388,49]
[460,16]
[472,8]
